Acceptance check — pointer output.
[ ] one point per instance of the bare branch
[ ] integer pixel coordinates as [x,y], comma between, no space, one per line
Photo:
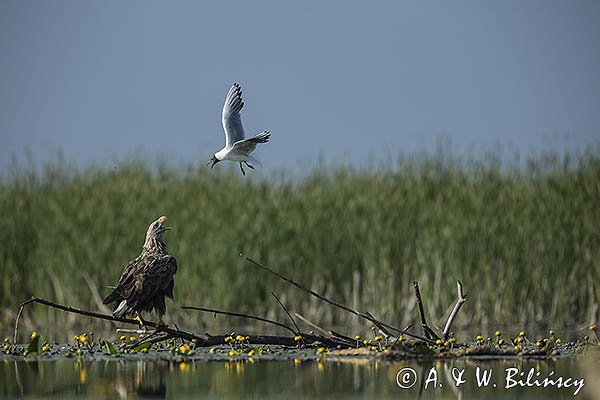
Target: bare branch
[343,307]
[345,340]
[200,341]
[287,312]
[461,299]
[379,326]
[234,314]
[173,332]
[426,329]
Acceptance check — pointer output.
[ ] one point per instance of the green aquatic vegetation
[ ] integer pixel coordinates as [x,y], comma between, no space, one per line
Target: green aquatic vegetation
[523,241]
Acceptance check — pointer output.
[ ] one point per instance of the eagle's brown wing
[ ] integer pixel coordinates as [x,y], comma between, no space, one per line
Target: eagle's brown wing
[126,282]
[151,283]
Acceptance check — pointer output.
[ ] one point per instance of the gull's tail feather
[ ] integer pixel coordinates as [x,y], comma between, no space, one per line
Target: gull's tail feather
[254,161]
[262,137]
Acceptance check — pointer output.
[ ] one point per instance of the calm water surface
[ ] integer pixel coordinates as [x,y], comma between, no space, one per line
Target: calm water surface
[120,378]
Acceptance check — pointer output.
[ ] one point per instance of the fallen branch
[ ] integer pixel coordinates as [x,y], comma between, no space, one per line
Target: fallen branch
[461,299]
[200,341]
[173,332]
[336,304]
[333,335]
[426,329]
[288,313]
[379,326]
[240,315]
[153,337]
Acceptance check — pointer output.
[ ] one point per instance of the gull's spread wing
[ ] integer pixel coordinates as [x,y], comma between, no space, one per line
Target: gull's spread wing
[231,118]
[247,146]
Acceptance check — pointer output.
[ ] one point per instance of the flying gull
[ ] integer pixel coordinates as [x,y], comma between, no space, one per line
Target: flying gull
[237,148]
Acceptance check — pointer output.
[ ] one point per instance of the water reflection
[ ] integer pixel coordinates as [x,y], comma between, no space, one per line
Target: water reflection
[117,378]
[143,379]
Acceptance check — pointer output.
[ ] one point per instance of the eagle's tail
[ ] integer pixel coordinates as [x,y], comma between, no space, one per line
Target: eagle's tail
[121,310]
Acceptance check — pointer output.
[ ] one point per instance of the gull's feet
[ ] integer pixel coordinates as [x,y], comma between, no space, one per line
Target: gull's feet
[248,165]
[242,168]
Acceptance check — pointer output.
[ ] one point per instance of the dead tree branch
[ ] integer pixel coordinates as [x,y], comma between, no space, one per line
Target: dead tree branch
[379,326]
[430,334]
[240,315]
[288,313]
[173,332]
[336,304]
[333,335]
[461,299]
[199,340]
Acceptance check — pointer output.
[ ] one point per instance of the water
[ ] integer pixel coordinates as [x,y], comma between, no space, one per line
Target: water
[150,377]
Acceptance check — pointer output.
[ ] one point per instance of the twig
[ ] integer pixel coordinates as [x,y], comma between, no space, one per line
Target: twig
[379,326]
[345,340]
[426,329]
[151,339]
[461,298]
[314,326]
[288,313]
[151,336]
[129,331]
[343,307]
[234,314]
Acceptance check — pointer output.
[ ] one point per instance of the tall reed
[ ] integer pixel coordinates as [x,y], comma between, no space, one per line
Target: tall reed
[525,241]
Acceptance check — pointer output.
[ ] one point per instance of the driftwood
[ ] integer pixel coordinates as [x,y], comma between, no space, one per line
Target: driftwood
[173,332]
[234,314]
[169,333]
[331,334]
[430,334]
[364,315]
[326,337]
[461,299]
[288,314]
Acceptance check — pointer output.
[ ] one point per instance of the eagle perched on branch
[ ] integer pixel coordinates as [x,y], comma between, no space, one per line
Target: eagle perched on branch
[147,279]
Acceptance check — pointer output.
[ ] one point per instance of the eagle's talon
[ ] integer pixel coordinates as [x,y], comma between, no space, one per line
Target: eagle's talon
[142,323]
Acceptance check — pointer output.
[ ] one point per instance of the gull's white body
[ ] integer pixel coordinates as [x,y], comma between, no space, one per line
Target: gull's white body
[237,147]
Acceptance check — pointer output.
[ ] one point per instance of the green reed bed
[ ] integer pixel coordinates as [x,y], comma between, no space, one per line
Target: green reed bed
[524,241]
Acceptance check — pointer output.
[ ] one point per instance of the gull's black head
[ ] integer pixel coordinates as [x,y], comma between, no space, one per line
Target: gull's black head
[213,161]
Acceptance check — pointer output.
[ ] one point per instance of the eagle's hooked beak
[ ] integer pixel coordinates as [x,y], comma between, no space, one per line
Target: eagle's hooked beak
[163,228]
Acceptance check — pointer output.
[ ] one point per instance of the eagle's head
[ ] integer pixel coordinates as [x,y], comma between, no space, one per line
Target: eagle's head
[155,236]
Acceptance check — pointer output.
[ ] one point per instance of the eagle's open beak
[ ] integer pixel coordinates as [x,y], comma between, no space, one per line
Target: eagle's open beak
[164,228]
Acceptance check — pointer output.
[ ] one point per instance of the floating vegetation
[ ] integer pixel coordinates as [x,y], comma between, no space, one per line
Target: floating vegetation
[237,347]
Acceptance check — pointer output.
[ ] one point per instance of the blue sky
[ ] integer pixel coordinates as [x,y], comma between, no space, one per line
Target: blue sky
[345,81]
